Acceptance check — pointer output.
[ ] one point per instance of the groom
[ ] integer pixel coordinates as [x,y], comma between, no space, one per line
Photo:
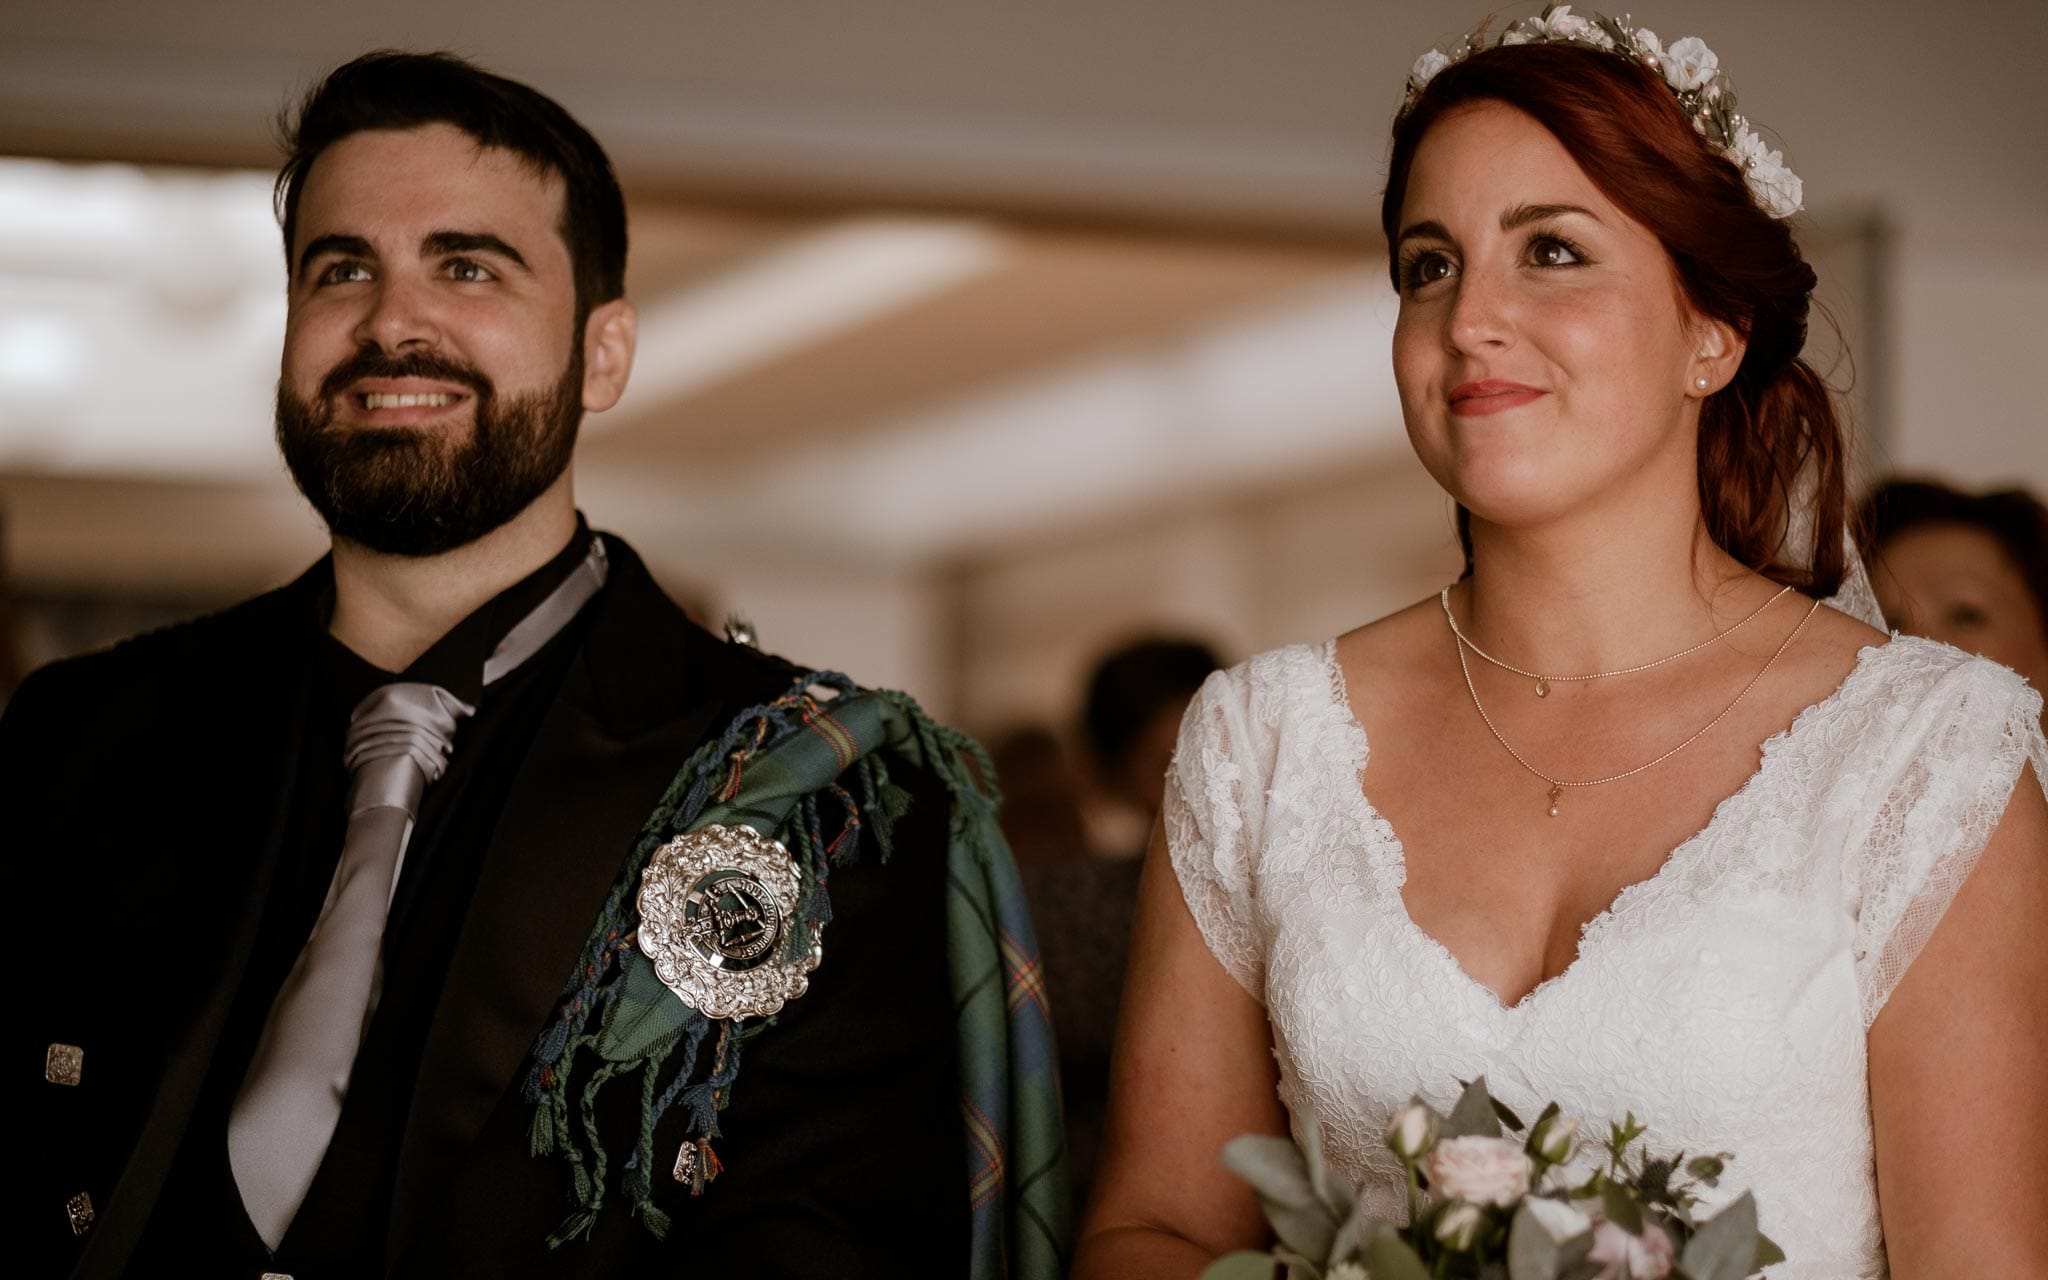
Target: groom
[308,876]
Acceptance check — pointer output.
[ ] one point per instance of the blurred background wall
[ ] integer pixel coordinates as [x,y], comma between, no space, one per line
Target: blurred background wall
[1086,299]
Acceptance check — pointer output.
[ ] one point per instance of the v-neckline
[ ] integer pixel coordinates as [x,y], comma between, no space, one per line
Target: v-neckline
[1598,925]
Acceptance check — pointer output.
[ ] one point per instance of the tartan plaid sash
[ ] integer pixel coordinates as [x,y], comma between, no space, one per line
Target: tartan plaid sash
[767,771]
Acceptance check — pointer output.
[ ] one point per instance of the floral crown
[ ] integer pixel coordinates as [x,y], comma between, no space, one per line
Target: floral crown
[1689,69]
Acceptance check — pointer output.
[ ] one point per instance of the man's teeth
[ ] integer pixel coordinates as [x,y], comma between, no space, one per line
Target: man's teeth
[380,400]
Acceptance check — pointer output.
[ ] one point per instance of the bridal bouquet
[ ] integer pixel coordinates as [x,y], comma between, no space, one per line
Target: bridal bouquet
[1483,1205]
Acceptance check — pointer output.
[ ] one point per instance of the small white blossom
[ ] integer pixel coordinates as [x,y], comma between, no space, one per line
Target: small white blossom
[1516,35]
[1459,1225]
[1646,42]
[1777,189]
[1426,67]
[1562,24]
[1347,1270]
[1688,64]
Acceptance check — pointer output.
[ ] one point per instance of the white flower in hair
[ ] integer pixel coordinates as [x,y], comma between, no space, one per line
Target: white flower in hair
[1646,42]
[1775,187]
[1561,23]
[1688,64]
[1515,35]
[1426,67]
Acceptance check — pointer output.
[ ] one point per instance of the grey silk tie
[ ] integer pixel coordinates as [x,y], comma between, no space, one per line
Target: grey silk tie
[398,741]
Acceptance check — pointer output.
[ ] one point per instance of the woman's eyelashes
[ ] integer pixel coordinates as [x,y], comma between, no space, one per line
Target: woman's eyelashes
[1544,250]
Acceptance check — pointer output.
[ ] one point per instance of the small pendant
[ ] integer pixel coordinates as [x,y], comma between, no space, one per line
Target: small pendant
[1555,793]
[1542,687]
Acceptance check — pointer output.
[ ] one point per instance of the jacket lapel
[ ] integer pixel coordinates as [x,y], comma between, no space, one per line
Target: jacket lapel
[254,740]
[637,701]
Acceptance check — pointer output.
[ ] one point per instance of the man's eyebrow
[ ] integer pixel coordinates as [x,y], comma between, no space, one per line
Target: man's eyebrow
[472,242]
[1524,214]
[344,246]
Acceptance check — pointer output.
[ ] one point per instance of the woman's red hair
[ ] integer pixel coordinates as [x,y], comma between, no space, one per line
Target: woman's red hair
[1771,430]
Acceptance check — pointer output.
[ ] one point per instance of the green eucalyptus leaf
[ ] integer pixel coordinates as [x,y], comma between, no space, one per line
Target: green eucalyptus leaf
[1307,1229]
[1532,1254]
[1388,1257]
[1298,1267]
[1242,1265]
[1707,1169]
[1583,1271]
[1768,1254]
[1506,1114]
[1273,1165]
[1622,1209]
[1474,1115]
[1725,1246]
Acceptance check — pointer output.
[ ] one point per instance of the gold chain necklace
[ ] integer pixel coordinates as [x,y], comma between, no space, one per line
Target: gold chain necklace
[1557,785]
[1543,682]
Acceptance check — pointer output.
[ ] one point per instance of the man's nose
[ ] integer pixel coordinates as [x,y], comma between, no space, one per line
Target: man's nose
[401,314]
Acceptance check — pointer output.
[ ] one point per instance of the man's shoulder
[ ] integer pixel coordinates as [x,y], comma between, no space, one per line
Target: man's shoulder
[165,654]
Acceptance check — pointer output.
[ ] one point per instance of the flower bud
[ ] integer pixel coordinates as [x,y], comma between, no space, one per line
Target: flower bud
[1555,1138]
[1412,1132]
[1458,1226]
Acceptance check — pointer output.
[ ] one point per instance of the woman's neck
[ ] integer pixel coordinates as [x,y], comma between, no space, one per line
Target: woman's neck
[1594,595]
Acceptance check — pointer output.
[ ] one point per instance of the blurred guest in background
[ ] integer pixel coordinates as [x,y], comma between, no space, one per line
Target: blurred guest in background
[1042,800]
[1969,570]
[1082,897]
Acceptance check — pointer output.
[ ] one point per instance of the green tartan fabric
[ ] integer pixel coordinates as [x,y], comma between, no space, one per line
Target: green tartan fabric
[766,772]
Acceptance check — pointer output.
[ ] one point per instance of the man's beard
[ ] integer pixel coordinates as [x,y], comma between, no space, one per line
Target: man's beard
[412,491]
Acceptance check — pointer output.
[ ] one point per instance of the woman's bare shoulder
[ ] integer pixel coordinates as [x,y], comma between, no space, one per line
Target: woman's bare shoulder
[1394,653]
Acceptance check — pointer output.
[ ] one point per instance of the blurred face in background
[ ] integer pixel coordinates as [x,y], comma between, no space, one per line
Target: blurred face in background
[1955,583]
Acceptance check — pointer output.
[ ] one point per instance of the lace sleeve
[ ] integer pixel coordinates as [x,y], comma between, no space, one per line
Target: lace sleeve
[1212,814]
[1945,784]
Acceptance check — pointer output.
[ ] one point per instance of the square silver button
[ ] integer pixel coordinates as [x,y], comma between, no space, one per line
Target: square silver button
[63,1064]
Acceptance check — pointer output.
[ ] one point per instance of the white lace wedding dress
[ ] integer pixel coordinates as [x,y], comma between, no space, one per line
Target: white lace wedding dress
[1724,1000]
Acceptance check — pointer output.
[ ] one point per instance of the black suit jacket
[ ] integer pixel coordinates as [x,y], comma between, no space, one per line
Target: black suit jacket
[143,796]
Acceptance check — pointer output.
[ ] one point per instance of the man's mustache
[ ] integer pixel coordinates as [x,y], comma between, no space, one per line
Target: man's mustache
[373,362]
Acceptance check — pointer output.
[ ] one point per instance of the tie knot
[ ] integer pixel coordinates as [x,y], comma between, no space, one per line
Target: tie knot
[398,741]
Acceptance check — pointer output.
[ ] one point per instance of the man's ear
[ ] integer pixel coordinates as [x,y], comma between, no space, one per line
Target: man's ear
[609,336]
[1717,353]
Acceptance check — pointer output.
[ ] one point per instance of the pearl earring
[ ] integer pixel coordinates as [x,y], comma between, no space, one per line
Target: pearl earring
[1701,383]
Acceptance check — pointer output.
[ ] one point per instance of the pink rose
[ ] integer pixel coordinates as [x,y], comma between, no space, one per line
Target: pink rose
[1481,1170]
[1648,1256]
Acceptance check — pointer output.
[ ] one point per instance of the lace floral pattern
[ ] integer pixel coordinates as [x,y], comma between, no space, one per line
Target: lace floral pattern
[1725,999]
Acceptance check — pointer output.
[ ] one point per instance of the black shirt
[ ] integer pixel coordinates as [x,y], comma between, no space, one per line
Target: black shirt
[199,1227]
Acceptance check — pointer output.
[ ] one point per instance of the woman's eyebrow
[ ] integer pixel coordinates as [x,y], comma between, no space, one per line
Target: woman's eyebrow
[1524,214]
[1428,230]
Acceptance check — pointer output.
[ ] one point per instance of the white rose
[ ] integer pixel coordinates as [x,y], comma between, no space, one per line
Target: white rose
[1777,189]
[1482,1170]
[1412,1131]
[1426,67]
[1649,1256]
[1559,1219]
[1459,1225]
[1688,64]
[1646,42]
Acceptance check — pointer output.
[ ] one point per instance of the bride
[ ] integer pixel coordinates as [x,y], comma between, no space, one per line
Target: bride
[1628,818]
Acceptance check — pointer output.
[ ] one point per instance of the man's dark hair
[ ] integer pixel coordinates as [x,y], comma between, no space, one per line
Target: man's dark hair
[1131,684]
[389,89]
[2015,517]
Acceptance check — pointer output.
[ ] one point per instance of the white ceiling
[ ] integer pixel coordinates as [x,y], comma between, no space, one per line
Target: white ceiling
[1063,259]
